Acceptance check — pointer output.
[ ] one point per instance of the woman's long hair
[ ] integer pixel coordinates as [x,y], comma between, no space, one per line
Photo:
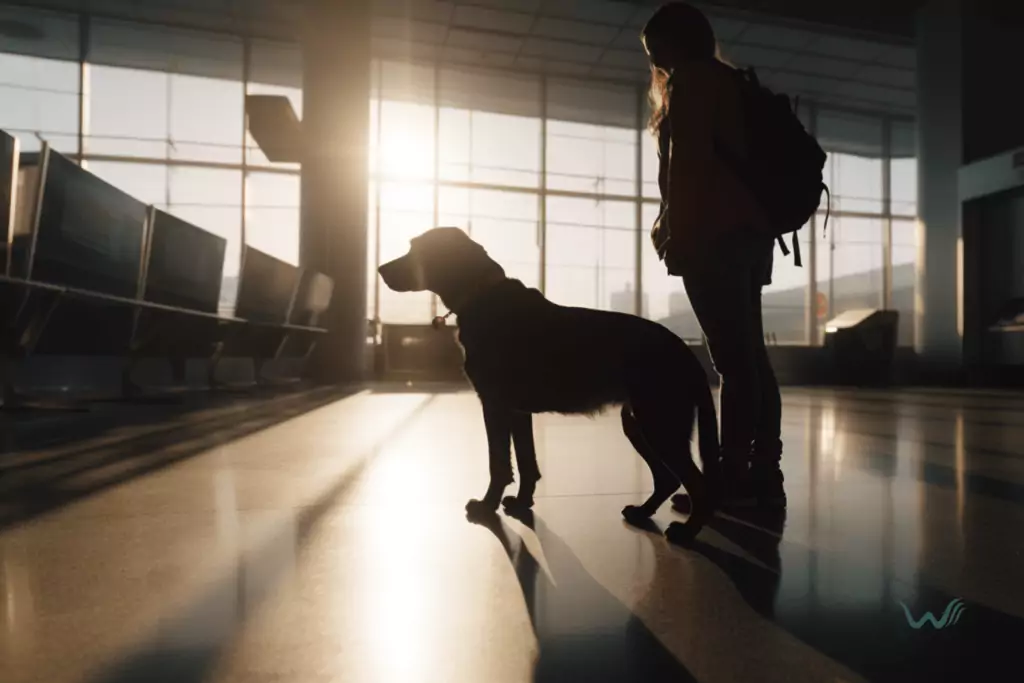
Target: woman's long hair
[690,35]
[657,99]
[658,92]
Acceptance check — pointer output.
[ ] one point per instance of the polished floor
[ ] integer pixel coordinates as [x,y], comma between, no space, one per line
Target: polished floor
[321,537]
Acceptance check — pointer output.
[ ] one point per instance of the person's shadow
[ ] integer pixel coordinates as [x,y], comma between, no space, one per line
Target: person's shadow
[867,633]
[759,533]
[584,633]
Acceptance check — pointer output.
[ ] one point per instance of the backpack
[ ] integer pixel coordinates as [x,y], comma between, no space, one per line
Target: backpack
[784,164]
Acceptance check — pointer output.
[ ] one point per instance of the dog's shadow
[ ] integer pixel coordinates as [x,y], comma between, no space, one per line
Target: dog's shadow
[584,633]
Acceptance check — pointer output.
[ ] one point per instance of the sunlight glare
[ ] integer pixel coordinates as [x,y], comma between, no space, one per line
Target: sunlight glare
[407,151]
[397,601]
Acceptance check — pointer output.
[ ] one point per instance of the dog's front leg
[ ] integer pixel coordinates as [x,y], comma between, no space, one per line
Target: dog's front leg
[526,458]
[498,422]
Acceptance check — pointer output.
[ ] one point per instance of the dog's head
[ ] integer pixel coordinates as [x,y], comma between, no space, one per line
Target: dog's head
[444,261]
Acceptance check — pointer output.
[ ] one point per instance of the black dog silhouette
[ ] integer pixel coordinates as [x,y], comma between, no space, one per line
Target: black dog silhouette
[525,355]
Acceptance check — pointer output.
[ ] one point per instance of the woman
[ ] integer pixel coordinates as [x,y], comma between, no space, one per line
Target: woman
[711,232]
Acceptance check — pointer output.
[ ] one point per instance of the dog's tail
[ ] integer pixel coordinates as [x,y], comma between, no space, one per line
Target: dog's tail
[707,433]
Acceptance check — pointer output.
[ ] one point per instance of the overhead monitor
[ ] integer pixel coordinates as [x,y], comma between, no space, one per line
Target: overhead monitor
[275,127]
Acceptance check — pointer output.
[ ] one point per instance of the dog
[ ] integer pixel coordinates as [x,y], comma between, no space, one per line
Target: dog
[524,354]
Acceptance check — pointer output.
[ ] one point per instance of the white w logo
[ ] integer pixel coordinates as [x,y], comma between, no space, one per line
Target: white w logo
[954,610]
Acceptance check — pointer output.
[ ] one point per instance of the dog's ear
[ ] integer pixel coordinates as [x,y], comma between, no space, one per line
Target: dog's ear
[447,249]
[440,240]
[452,263]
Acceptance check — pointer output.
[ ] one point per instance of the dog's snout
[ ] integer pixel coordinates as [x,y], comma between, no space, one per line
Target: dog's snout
[399,275]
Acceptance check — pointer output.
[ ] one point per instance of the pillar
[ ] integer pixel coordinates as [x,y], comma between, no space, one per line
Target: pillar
[939,156]
[335,123]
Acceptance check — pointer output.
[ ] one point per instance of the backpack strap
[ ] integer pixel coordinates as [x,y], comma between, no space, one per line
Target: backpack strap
[828,207]
[799,262]
[796,249]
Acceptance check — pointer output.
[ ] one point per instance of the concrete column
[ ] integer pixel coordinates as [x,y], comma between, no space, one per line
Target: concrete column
[939,156]
[336,128]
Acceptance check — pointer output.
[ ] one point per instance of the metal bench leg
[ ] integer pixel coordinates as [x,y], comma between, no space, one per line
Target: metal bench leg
[257,370]
[211,368]
[129,389]
[27,333]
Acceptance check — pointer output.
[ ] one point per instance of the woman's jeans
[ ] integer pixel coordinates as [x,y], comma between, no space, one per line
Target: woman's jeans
[724,281]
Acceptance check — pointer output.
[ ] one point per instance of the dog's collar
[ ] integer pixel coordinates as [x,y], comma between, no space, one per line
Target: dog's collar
[439,321]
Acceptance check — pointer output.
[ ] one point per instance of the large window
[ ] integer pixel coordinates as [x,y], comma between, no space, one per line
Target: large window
[405,210]
[146,182]
[784,301]
[856,263]
[663,298]
[855,182]
[651,165]
[592,159]
[591,253]
[272,214]
[555,176]
[591,138]
[855,242]
[903,164]
[450,141]
[39,80]
[162,117]
[158,93]
[487,148]
[904,276]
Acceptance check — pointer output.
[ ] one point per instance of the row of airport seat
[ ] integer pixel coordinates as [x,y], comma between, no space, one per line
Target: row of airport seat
[89,270]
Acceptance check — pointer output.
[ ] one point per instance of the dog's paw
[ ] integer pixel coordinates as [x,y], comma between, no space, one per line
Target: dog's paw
[681,503]
[477,509]
[636,517]
[517,503]
[682,533]
[636,514]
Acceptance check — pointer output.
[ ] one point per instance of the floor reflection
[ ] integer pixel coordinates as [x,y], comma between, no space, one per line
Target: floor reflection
[584,633]
[188,645]
[863,627]
[334,547]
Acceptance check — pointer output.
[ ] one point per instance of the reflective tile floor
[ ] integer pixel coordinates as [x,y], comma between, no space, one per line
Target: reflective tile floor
[321,537]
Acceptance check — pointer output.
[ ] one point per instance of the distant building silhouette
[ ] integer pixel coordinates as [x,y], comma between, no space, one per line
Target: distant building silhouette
[678,303]
[625,301]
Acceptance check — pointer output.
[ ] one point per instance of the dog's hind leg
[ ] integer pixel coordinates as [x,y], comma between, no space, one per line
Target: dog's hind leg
[710,453]
[665,482]
[667,429]
[526,459]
